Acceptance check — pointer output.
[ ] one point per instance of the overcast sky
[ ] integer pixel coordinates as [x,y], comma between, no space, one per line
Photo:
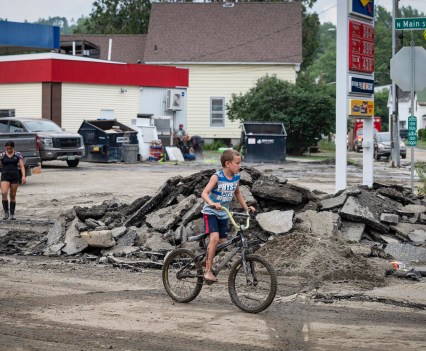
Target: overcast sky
[32,10]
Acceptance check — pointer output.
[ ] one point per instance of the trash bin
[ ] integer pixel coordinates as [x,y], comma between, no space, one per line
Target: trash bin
[104,140]
[263,142]
[130,153]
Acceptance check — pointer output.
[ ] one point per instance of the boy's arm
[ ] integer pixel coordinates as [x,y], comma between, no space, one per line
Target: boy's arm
[240,198]
[207,190]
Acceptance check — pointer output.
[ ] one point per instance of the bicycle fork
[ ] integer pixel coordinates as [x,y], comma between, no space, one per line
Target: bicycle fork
[250,272]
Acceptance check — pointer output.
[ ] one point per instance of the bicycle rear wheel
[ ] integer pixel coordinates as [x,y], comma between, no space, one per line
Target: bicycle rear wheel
[182,276]
[252,291]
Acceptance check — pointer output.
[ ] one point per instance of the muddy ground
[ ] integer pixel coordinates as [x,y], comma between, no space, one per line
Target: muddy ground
[70,304]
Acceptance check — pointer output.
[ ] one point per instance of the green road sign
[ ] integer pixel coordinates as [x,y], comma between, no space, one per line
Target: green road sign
[410,23]
[412,131]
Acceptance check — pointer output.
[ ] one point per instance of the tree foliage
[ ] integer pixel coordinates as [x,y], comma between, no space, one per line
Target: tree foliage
[381,108]
[306,111]
[117,17]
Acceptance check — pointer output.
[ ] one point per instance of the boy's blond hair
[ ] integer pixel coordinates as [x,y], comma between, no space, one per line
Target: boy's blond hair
[228,155]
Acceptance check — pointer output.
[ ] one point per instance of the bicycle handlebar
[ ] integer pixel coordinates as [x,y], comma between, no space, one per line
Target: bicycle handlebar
[237,226]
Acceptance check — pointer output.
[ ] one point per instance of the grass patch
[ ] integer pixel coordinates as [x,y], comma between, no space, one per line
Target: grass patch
[421,144]
[325,145]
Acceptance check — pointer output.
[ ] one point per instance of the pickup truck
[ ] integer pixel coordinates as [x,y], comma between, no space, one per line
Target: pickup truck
[54,143]
[26,144]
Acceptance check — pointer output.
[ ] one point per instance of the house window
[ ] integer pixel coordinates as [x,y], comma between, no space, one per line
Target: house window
[217,111]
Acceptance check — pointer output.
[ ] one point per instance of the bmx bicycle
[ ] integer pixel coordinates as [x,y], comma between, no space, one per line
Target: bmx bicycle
[252,281]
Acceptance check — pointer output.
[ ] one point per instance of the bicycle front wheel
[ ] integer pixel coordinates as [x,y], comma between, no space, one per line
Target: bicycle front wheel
[252,289]
[182,276]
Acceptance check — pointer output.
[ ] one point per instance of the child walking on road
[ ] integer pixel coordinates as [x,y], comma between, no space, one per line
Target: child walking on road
[218,193]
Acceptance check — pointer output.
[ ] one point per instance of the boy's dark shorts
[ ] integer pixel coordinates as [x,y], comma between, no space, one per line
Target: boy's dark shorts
[212,224]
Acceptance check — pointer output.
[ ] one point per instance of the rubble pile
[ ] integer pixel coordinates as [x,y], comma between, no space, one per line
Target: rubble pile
[313,235]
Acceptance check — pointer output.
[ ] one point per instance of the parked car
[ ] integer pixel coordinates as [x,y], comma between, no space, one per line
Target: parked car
[54,142]
[25,143]
[382,146]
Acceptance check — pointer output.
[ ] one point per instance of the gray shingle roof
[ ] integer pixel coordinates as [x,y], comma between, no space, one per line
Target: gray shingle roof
[209,32]
[125,48]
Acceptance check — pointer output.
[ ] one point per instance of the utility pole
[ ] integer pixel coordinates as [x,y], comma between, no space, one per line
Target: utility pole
[394,117]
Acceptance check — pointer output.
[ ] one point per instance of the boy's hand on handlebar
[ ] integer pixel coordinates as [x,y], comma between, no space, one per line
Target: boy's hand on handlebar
[216,205]
[251,209]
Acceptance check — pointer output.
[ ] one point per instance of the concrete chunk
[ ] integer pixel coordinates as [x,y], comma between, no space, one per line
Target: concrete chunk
[352,231]
[414,232]
[406,252]
[389,218]
[99,238]
[74,243]
[332,203]
[354,211]
[276,222]
[321,224]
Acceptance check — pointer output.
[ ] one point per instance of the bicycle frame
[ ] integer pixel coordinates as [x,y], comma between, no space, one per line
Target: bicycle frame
[239,237]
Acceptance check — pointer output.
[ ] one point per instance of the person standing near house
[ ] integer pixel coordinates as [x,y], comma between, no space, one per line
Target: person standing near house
[180,133]
[12,162]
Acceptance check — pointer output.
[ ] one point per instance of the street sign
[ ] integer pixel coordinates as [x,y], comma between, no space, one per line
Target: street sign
[361,47]
[400,68]
[410,23]
[412,131]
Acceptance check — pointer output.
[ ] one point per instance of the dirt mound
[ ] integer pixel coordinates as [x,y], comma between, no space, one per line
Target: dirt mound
[320,260]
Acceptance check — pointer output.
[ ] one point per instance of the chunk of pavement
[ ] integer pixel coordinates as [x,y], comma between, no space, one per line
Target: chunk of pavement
[270,189]
[389,239]
[73,242]
[321,224]
[355,212]
[193,212]
[332,203]
[94,212]
[248,196]
[158,244]
[412,210]
[396,195]
[143,234]
[163,219]
[102,239]
[181,234]
[406,253]
[54,250]
[361,250]
[415,232]
[120,251]
[57,232]
[128,239]
[276,222]
[91,223]
[245,178]
[352,231]
[389,218]
[118,232]
[352,191]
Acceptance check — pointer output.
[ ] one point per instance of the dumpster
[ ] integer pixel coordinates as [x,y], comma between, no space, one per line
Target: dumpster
[130,153]
[263,142]
[104,141]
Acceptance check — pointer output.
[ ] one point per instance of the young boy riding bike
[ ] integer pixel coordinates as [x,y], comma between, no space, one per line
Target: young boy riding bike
[218,193]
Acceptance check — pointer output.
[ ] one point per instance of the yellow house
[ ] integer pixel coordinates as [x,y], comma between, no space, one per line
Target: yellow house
[227,47]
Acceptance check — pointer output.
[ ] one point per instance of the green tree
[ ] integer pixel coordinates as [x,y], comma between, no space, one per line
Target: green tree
[58,21]
[117,17]
[381,108]
[306,111]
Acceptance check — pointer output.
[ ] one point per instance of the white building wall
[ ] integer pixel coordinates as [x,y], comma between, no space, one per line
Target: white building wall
[86,101]
[207,81]
[25,98]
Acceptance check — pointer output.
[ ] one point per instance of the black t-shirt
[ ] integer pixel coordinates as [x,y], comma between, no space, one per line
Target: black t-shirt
[10,165]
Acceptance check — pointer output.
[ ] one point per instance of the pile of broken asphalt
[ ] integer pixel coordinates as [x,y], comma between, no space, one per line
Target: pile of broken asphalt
[351,236]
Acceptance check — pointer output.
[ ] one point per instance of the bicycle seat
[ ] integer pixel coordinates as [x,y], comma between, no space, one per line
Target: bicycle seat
[198,237]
